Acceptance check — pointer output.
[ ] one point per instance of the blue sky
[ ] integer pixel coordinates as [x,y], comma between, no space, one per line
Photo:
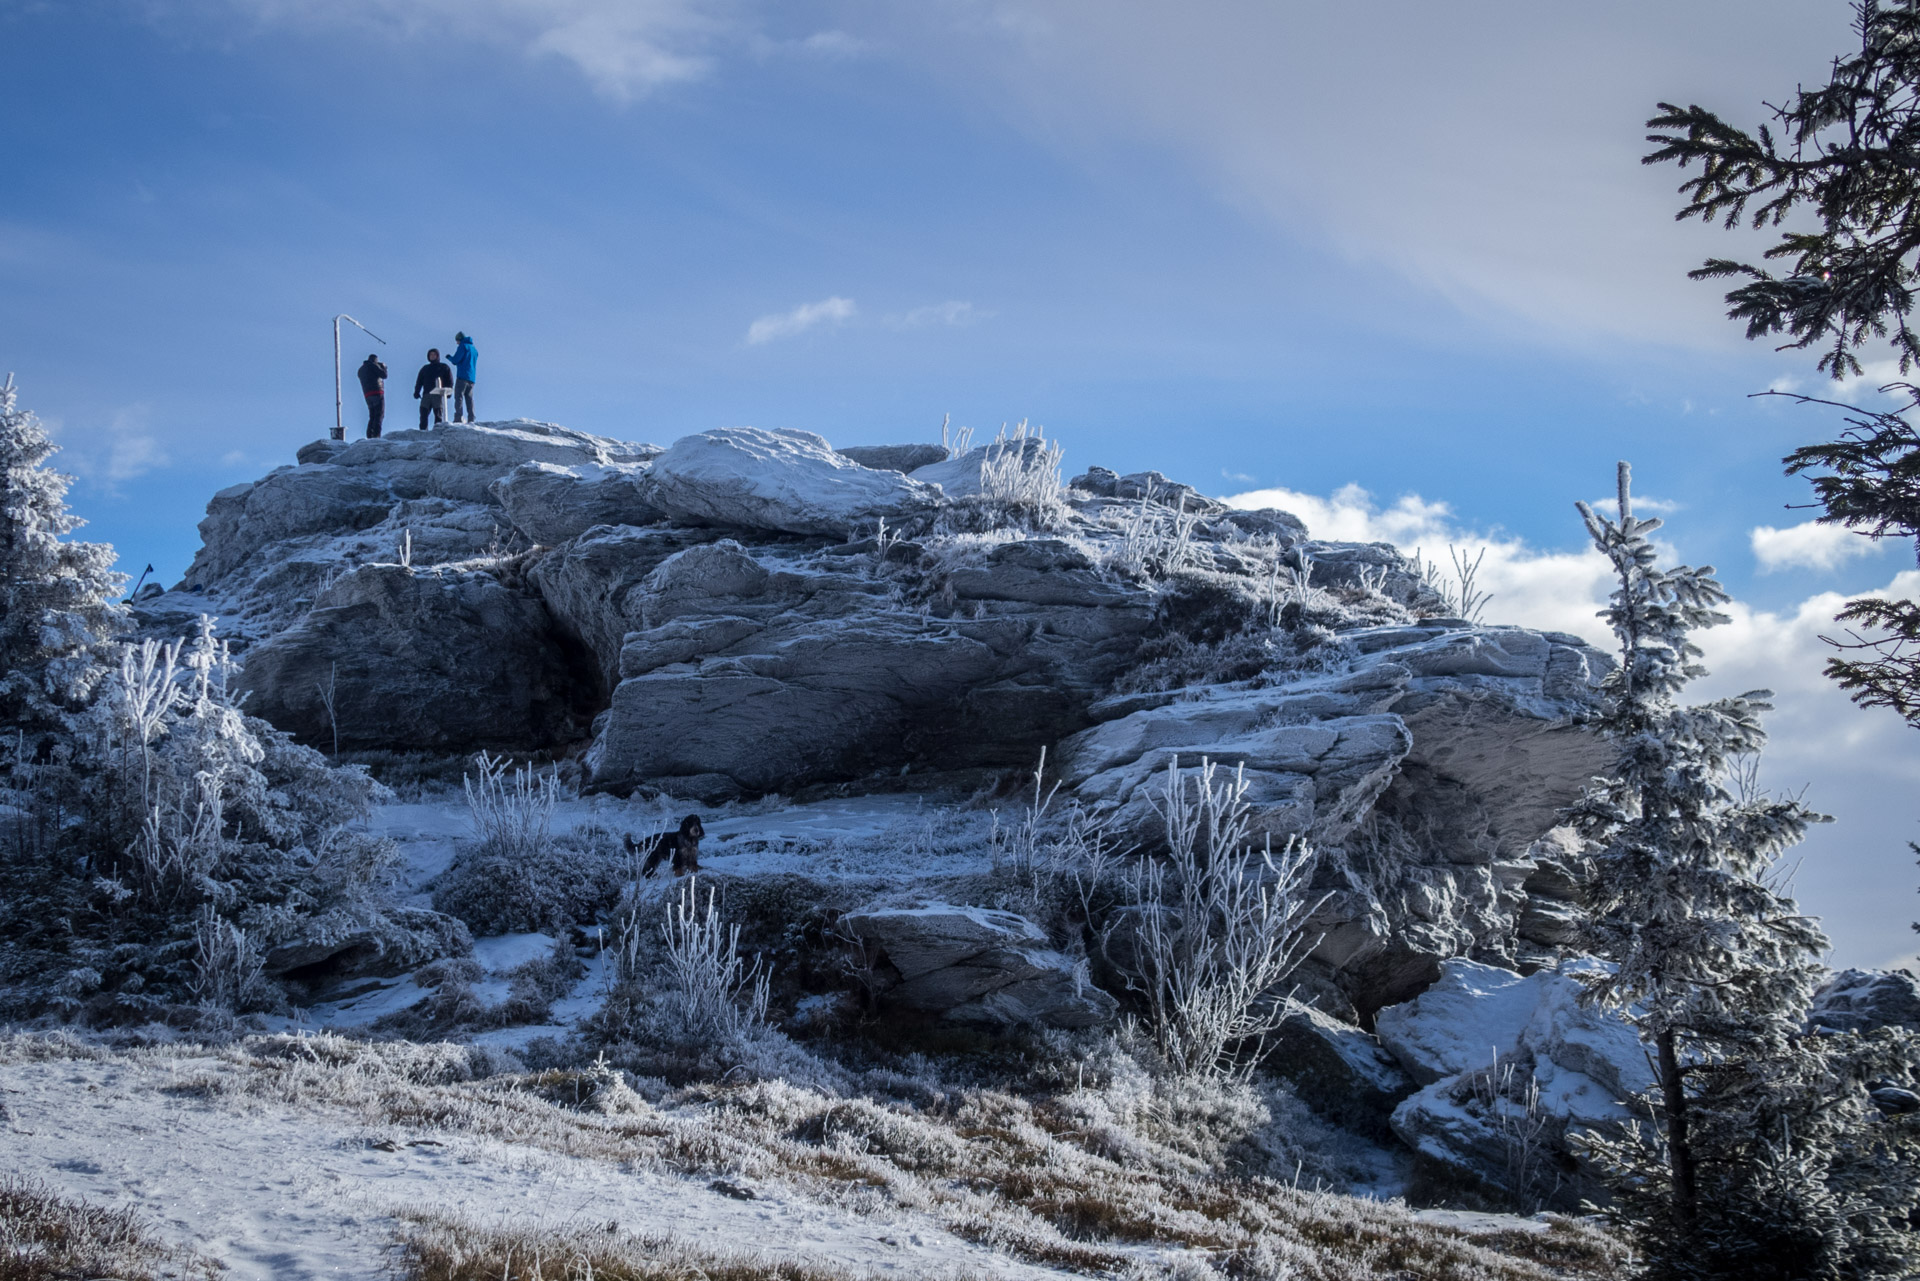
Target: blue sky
[1255,245]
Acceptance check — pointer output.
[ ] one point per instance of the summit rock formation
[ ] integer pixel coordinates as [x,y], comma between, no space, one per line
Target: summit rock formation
[749,612]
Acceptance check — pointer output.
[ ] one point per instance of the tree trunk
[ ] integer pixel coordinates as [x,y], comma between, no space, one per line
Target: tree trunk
[1679,1148]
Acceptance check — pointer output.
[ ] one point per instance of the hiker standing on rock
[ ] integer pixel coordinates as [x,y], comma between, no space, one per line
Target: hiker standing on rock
[466,361]
[373,381]
[430,387]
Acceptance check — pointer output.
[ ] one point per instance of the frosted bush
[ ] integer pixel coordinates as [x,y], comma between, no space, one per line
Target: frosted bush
[511,812]
[1022,471]
[1210,933]
[1155,540]
[714,992]
[510,888]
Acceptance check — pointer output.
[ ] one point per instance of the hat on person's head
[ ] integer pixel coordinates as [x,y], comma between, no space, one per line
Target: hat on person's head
[461,338]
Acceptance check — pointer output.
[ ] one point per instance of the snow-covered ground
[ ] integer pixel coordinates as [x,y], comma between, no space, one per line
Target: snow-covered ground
[899,839]
[287,1192]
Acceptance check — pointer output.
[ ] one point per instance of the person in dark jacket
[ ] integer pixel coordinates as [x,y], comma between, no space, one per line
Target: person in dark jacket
[431,386]
[466,362]
[373,381]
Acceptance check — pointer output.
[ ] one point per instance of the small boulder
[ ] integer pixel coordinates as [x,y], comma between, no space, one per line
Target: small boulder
[1340,1071]
[900,458]
[790,481]
[977,965]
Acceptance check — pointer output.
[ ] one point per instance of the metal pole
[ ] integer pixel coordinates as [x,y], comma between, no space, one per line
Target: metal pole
[339,423]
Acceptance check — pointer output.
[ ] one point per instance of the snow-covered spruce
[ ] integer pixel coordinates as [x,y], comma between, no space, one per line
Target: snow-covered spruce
[1768,1157]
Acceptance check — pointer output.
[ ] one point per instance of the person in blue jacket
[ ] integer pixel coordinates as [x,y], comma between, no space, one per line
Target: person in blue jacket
[466,362]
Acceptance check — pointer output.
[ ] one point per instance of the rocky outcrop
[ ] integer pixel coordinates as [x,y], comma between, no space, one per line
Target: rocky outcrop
[1511,1067]
[1862,1000]
[976,965]
[752,611]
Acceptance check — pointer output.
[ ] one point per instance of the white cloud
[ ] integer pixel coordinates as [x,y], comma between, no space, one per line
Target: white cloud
[1552,590]
[110,453]
[1808,545]
[1863,767]
[951,312]
[625,48]
[1488,152]
[828,311]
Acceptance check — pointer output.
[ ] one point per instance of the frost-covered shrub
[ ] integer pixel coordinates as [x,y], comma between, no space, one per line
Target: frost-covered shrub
[212,854]
[511,812]
[1210,933]
[538,890]
[160,850]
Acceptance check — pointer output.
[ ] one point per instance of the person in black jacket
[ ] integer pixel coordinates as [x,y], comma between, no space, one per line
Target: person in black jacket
[373,381]
[431,386]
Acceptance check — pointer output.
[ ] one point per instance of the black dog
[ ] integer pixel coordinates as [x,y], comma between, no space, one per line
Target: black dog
[682,846]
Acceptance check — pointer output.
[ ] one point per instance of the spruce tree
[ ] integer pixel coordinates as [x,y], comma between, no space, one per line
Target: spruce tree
[57,611]
[1763,1133]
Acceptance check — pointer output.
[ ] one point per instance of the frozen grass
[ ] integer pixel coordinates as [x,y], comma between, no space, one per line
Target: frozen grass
[1054,1180]
[46,1237]
[445,1250]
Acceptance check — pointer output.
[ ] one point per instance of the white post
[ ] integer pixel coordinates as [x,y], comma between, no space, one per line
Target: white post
[339,423]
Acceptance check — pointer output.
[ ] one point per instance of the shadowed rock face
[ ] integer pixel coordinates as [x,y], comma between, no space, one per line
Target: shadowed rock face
[436,659]
[504,584]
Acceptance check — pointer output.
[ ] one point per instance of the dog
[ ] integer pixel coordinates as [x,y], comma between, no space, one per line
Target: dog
[682,846]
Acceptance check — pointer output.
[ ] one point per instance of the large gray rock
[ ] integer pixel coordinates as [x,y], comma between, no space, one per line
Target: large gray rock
[1862,1000]
[551,503]
[269,546]
[978,965]
[753,669]
[425,659]
[1313,778]
[784,480]
[1475,1040]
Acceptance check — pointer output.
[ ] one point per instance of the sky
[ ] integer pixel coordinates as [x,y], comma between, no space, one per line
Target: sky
[1396,266]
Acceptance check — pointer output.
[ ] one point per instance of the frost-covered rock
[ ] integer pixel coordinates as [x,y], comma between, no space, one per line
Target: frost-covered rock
[978,965]
[1309,776]
[761,669]
[551,503]
[1862,1000]
[785,480]
[1476,1039]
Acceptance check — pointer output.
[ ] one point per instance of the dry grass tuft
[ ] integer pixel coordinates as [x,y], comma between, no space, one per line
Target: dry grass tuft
[46,1237]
